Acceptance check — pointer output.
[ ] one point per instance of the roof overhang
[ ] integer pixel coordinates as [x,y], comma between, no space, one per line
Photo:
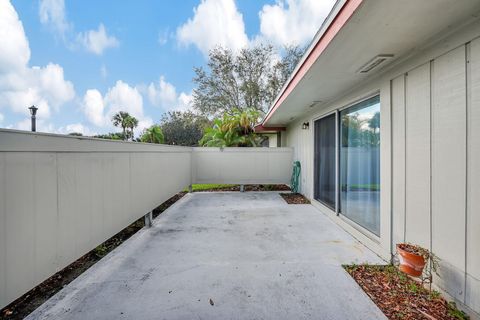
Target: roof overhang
[355,34]
[261,129]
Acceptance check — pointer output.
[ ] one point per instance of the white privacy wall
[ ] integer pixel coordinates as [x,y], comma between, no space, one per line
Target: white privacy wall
[61,196]
[242,165]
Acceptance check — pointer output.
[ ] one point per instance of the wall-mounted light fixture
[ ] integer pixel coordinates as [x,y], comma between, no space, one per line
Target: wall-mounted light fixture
[305,126]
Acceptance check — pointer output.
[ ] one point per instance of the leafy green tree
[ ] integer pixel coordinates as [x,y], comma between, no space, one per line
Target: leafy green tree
[250,79]
[183,128]
[153,134]
[357,132]
[131,123]
[121,119]
[111,136]
[234,129]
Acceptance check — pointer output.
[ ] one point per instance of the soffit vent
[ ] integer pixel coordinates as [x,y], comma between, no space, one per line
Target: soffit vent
[374,63]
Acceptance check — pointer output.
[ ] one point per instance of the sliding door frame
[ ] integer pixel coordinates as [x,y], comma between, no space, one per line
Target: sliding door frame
[337,208]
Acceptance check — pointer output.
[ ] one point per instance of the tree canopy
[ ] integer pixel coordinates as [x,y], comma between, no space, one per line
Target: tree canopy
[250,79]
[183,128]
[233,129]
[125,121]
[153,134]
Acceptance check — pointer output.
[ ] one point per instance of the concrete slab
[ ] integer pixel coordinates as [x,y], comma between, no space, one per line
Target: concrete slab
[252,254]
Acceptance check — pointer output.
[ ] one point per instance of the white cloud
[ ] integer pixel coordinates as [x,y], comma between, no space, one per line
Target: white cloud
[293,21]
[14,51]
[97,41]
[45,126]
[122,97]
[215,22]
[164,95]
[52,13]
[184,101]
[1,118]
[41,125]
[94,107]
[77,128]
[21,85]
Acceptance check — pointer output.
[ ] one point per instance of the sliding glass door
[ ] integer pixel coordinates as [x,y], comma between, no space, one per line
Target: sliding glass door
[360,164]
[358,173]
[325,160]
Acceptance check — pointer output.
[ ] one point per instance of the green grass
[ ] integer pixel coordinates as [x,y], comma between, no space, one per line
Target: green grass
[364,187]
[203,187]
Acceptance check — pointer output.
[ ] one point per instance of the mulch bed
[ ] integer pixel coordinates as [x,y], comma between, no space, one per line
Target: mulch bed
[401,297]
[27,303]
[251,187]
[294,198]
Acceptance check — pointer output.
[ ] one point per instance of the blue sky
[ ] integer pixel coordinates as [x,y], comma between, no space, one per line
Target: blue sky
[81,61]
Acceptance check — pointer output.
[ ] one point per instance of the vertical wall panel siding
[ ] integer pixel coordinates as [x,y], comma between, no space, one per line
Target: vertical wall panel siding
[67,204]
[473,192]
[3,230]
[386,166]
[449,168]
[45,214]
[417,116]
[398,159]
[20,206]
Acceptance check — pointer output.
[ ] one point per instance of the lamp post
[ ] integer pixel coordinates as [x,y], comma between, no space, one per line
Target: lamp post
[33,112]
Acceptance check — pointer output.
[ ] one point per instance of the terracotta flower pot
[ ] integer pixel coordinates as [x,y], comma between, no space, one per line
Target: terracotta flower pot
[410,263]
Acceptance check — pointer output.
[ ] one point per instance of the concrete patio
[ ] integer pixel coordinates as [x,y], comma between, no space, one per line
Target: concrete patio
[250,254]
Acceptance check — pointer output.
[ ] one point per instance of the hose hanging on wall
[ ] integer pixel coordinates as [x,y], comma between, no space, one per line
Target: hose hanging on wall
[294,182]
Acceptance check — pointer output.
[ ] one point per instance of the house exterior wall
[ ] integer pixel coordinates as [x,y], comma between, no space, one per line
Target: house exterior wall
[430,158]
[61,196]
[272,140]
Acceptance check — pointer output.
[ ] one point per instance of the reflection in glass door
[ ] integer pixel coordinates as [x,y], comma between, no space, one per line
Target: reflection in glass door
[325,163]
[360,163]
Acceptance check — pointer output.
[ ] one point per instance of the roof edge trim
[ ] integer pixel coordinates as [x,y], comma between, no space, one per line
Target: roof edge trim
[316,49]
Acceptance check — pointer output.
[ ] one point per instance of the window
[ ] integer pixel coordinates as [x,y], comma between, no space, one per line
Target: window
[358,147]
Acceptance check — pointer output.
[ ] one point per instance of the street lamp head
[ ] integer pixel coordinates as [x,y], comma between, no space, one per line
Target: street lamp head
[33,110]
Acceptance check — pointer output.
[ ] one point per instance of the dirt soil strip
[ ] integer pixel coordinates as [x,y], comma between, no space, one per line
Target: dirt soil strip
[31,300]
[401,297]
[294,198]
[251,187]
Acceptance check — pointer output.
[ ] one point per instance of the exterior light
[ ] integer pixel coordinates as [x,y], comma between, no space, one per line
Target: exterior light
[33,112]
[305,126]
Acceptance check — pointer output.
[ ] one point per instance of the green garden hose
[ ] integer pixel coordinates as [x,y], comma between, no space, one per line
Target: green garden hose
[294,182]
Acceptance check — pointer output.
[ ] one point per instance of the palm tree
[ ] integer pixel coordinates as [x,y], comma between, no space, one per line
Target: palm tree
[120,119]
[153,134]
[132,122]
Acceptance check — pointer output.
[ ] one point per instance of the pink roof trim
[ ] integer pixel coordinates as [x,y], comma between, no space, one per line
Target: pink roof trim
[338,22]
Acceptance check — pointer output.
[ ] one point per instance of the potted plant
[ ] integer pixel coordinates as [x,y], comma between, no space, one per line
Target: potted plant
[413,258]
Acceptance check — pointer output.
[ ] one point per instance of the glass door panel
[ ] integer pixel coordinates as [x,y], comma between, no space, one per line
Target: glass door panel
[360,164]
[325,163]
